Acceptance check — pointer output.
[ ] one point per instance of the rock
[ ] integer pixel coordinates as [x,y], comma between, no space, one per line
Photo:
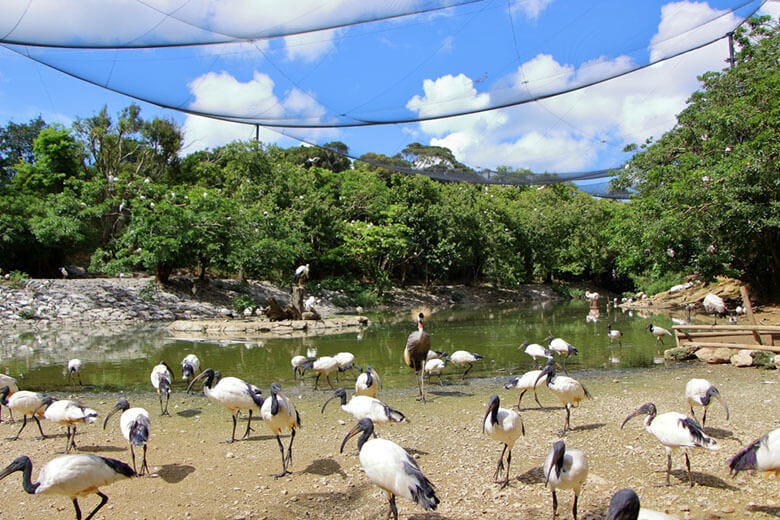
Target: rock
[714,356]
[680,353]
[743,358]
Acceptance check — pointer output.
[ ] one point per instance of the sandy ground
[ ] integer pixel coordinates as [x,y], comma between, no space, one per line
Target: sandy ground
[197,475]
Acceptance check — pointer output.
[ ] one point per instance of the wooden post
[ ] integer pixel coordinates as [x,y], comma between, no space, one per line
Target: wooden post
[749,311]
[297,300]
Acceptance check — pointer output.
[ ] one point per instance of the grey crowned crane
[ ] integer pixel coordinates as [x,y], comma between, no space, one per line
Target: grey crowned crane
[69,413]
[26,403]
[529,381]
[391,468]
[323,365]
[368,382]
[190,367]
[614,334]
[536,351]
[569,391]
[74,371]
[561,347]
[658,332]
[301,274]
[363,406]
[10,382]
[279,413]
[505,426]
[231,393]
[135,426]
[463,357]
[763,454]
[418,344]
[565,469]
[700,392]
[162,379]
[625,505]
[673,430]
[74,476]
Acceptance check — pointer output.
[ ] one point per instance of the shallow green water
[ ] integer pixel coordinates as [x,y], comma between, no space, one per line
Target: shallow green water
[121,360]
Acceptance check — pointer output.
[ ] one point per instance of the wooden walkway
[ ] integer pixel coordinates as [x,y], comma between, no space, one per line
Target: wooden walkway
[753,337]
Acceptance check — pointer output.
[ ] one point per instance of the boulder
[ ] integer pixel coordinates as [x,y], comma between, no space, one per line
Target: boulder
[680,353]
[714,356]
[743,358]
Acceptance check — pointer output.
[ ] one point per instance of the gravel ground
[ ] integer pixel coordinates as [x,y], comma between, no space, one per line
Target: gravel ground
[197,475]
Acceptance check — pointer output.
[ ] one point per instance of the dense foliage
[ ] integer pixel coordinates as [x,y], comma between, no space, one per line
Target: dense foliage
[114,194]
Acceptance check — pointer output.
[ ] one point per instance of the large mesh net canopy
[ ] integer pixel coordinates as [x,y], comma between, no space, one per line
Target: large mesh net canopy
[381,75]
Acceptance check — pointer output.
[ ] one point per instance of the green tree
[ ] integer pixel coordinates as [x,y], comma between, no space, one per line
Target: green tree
[16,145]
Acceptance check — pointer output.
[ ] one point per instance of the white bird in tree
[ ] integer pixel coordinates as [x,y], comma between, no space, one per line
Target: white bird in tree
[565,469]
[391,468]
[10,382]
[418,344]
[658,332]
[74,371]
[162,379]
[673,430]
[505,426]
[301,274]
[699,392]
[536,351]
[279,413]
[74,476]
[368,382]
[135,426]
[763,454]
[190,366]
[69,413]
[363,406]
[231,393]
[26,403]
[462,357]
[528,381]
[569,391]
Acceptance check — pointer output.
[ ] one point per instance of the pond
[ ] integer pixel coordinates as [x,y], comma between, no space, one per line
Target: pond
[119,358]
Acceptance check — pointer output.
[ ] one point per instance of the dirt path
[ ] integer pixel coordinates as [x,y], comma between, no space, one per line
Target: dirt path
[197,475]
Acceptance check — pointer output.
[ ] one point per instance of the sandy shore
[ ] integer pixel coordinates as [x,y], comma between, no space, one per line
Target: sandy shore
[197,475]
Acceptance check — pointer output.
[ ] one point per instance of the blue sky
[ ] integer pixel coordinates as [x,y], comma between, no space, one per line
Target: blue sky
[465,58]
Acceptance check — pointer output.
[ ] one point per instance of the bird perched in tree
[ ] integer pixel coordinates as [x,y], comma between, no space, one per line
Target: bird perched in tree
[363,406]
[614,334]
[368,382]
[391,468]
[658,332]
[74,371]
[26,403]
[504,426]
[279,413]
[162,379]
[462,357]
[569,391]
[301,274]
[10,382]
[74,476]
[190,366]
[135,426]
[673,430]
[69,413]
[416,353]
[763,454]
[565,469]
[699,392]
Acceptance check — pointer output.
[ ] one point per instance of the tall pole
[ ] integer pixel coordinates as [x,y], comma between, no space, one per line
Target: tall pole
[730,59]
[257,133]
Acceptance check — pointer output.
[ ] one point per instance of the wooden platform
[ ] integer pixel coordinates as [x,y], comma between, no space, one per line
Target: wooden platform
[753,337]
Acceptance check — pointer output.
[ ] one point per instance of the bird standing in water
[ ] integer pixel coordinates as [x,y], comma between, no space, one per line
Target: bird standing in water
[416,353]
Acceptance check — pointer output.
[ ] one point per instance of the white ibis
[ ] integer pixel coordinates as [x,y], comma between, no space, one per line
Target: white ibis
[231,393]
[391,468]
[614,334]
[10,382]
[74,371]
[561,347]
[162,378]
[504,426]
[434,354]
[135,426]
[279,413]
[569,391]
[368,382]
[69,413]
[536,351]
[190,366]
[763,454]
[363,406]
[658,332]
[26,403]
[346,361]
[462,357]
[323,365]
[74,476]
[625,505]
[418,344]
[673,430]
[301,274]
[528,381]
[565,469]
[699,392]
[434,367]
[297,363]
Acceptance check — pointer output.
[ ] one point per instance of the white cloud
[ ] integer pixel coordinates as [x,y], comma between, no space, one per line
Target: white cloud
[531,8]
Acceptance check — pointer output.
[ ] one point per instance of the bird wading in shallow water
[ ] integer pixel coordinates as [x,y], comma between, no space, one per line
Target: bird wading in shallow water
[565,469]
[462,357]
[74,372]
[162,379]
[190,367]
[418,344]
[504,426]
[562,347]
[536,351]
[135,426]
[74,476]
[614,334]
[391,468]
[700,392]
[658,332]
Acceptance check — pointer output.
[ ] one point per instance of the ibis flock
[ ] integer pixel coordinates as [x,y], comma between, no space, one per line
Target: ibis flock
[394,467]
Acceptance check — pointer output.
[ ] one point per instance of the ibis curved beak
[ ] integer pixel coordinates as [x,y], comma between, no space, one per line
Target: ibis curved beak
[491,407]
[630,416]
[559,449]
[722,402]
[114,410]
[329,399]
[200,376]
[354,431]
